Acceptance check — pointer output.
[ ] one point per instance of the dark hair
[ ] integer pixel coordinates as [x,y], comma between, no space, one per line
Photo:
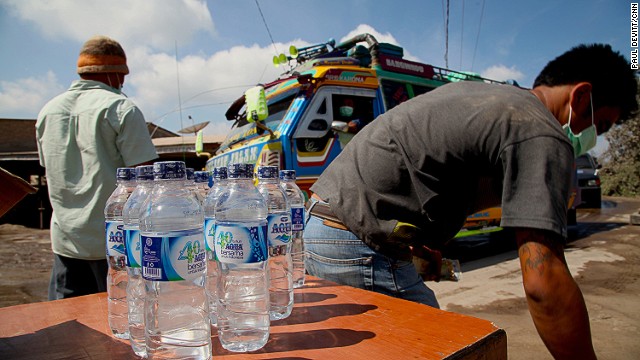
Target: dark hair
[609,73]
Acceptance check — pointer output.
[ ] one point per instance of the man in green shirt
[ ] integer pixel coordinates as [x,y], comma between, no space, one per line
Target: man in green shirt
[83,136]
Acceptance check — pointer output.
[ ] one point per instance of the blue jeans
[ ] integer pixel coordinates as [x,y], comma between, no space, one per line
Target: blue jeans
[76,277]
[339,256]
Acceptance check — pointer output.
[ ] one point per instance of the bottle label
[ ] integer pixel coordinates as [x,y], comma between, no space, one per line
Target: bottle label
[279,227]
[297,218]
[210,235]
[132,246]
[114,232]
[178,256]
[240,244]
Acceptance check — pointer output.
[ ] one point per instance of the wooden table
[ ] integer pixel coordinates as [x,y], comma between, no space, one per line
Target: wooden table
[329,321]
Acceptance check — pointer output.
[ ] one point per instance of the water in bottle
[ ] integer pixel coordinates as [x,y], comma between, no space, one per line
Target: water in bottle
[241,249]
[190,183]
[279,235]
[201,179]
[135,285]
[174,268]
[116,253]
[209,207]
[296,201]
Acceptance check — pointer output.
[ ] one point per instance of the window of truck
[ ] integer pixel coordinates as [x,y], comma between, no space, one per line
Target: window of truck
[324,108]
[314,132]
[396,92]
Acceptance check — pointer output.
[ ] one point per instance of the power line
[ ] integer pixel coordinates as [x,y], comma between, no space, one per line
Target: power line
[265,25]
[446,37]
[477,36]
[461,36]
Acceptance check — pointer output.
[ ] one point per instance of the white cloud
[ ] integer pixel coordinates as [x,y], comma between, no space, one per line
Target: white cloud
[502,73]
[208,83]
[364,28]
[154,23]
[25,97]
[382,38]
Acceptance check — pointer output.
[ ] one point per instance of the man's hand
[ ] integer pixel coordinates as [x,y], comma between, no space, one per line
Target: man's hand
[427,262]
[555,301]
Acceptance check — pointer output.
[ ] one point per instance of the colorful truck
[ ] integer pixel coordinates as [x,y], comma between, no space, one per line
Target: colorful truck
[303,127]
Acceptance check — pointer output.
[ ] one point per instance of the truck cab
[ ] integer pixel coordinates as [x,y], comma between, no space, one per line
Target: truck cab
[307,117]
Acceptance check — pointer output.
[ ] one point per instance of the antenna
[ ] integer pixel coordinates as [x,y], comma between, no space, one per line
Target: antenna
[193,129]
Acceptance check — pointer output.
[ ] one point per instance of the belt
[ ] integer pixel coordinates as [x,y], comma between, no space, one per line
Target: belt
[322,210]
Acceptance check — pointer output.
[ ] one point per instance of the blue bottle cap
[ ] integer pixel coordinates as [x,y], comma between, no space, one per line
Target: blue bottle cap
[190,174]
[125,174]
[240,171]
[287,175]
[144,172]
[169,170]
[267,172]
[201,176]
[220,173]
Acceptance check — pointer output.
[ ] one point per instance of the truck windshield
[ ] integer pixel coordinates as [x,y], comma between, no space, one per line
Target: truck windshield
[244,130]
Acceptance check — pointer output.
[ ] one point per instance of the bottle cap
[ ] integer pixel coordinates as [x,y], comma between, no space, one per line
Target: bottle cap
[240,171]
[220,173]
[201,176]
[169,170]
[267,172]
[144,172]
[190,174]
[287,175]
[125,174]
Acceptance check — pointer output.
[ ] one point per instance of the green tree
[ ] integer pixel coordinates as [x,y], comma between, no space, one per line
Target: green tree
[620,172]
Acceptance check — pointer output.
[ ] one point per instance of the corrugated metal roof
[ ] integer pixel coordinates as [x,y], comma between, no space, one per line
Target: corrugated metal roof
[18,140]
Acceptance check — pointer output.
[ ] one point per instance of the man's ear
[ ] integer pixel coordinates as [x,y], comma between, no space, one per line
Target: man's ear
[581,100]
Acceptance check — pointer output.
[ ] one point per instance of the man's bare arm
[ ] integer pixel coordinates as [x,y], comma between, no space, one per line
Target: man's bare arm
[555,302]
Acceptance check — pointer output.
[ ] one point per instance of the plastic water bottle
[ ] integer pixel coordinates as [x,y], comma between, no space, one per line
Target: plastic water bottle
[209,207]
[116,253]
[174,268]
[279,235]
[241,248]
[296,201]
[135,285]
[201,178]
[191,181]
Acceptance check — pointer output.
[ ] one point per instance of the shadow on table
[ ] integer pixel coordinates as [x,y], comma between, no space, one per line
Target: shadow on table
[320,313]
[308,297]
[67,340]
[305,340]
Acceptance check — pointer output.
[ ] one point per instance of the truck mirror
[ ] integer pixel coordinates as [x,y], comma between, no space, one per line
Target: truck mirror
[341,126]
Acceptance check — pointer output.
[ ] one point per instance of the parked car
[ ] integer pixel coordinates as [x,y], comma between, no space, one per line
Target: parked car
[588,182]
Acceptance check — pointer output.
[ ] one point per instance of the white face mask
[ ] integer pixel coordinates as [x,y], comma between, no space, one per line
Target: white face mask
[586,139]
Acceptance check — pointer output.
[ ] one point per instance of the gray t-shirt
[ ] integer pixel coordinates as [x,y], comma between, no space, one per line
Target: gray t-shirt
[442,156]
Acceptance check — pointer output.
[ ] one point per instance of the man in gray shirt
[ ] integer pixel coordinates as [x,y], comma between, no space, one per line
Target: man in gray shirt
[409,179]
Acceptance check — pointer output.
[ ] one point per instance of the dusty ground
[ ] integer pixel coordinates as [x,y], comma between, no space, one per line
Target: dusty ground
[603,254]
[25,264]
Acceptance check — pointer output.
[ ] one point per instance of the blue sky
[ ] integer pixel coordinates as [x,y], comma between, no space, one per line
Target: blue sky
[223,47]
